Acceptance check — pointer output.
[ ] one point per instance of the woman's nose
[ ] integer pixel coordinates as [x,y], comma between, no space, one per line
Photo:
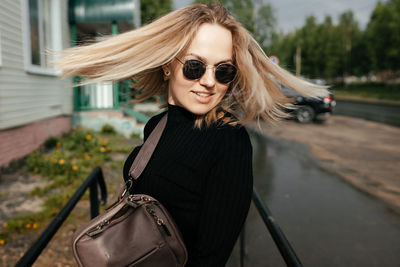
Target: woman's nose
[208,79]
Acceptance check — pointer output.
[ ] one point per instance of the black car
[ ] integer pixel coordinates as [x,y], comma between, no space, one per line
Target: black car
[310,109]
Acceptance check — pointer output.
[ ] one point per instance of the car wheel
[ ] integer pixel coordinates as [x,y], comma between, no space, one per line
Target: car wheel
[305,114]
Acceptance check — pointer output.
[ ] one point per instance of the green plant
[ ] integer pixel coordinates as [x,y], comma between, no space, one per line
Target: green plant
[64,166]
[135,135]
[125,149]
[80,141]
[51,142]
[107,129]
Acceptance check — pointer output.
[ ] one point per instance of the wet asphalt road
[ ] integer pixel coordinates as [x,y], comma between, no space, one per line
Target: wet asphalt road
[327,221]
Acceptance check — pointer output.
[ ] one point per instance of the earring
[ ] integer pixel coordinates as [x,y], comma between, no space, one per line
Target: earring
[166,75]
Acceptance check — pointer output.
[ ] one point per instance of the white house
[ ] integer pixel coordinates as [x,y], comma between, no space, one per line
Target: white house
[34,102]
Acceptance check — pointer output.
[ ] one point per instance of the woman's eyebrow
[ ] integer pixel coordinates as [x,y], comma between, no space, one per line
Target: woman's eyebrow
[205,61]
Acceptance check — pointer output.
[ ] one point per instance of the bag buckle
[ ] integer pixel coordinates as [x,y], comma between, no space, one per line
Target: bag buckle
[128,186]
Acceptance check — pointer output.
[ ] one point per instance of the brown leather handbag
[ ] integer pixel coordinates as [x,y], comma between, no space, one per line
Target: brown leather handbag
[137,231]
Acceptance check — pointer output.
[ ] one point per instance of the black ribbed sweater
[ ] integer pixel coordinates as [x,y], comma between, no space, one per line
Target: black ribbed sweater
[204,179]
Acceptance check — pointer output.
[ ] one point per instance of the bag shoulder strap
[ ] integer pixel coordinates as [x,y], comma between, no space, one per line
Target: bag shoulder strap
[147,149]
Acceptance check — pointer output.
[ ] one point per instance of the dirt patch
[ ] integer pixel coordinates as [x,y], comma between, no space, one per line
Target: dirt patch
[15,198]
[364,153]
[14,191]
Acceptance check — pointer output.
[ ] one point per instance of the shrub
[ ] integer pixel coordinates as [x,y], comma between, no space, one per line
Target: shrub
[107,129]
[51,142]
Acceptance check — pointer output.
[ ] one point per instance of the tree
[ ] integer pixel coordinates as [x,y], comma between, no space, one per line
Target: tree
[348,29]
[255,15]
[327,50]
[152,9]
[383,36]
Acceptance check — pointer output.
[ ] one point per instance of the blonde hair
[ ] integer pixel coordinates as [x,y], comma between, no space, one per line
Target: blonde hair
[140,54]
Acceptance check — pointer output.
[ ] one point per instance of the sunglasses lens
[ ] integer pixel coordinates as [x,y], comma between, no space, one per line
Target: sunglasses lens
[225,73]
[193,69]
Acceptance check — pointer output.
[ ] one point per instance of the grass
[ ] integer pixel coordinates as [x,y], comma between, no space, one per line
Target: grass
[372,91]
[64,163]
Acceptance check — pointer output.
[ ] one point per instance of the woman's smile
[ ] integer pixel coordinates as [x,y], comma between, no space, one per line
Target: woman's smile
[202,97]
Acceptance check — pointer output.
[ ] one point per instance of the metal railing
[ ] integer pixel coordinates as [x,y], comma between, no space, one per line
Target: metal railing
[94,179]
[286,250]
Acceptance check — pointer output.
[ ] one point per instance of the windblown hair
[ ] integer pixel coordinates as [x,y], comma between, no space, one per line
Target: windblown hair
[140,54]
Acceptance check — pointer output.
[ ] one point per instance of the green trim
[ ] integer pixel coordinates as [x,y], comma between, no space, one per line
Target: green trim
[75,79]
[74,36]
[76,94]
[116,95]
[114,28]
[139,116]
[114,31]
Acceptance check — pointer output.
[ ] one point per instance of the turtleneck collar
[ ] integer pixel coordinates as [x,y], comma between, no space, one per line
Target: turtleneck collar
[180,114]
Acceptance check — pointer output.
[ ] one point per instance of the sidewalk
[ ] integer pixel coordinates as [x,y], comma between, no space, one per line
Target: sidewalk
[364,153]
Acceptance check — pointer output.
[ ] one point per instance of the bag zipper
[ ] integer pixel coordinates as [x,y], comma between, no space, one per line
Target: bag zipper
[159,221]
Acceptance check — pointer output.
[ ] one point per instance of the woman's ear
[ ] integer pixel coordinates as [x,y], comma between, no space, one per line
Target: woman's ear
[167,72]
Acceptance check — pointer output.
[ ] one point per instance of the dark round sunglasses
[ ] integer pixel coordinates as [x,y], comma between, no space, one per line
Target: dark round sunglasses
[194,69]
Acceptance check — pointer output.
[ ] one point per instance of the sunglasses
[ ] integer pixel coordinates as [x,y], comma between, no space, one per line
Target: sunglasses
[194,69]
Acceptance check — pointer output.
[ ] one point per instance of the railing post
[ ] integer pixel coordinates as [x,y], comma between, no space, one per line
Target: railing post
[103,190]
[281,242]
[94,178]
[94,200]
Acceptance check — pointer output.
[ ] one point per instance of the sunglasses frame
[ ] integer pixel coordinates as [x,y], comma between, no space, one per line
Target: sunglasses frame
[205,69]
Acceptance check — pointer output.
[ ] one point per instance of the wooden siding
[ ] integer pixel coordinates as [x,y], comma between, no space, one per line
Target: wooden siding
[28,97]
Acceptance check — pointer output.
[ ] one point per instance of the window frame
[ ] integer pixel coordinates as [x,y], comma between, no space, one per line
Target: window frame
[55,36]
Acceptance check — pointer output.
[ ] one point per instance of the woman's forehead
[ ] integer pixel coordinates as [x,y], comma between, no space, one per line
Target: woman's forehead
[212,42]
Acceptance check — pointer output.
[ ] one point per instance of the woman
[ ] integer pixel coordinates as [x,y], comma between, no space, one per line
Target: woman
[216,78]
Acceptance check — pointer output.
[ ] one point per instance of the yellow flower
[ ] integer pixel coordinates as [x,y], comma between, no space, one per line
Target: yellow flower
[54,161]
[58,144]
[2,242]
[75,168]
[61,162]
[87,156]
[108,148]
[28,225]
[88,137]
[102,149]
[5,225]
[34,226]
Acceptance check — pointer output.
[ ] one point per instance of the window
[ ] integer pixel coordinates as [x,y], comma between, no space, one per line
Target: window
[42,34]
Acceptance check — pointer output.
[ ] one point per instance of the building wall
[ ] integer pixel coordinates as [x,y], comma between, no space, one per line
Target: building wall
[26,96]
[33,104]
[19,141]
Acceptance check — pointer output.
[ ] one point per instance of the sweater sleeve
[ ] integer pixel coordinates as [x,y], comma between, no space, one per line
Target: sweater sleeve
[227,196]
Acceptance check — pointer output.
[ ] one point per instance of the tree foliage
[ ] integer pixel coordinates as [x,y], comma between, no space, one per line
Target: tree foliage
[255,15]
[330,51]
[152,9]
[383,36]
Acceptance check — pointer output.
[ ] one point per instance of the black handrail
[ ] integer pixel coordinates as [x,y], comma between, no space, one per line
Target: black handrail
[94,178]
[281,242]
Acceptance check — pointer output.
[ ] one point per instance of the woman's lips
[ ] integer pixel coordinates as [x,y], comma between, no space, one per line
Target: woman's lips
[202,97]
